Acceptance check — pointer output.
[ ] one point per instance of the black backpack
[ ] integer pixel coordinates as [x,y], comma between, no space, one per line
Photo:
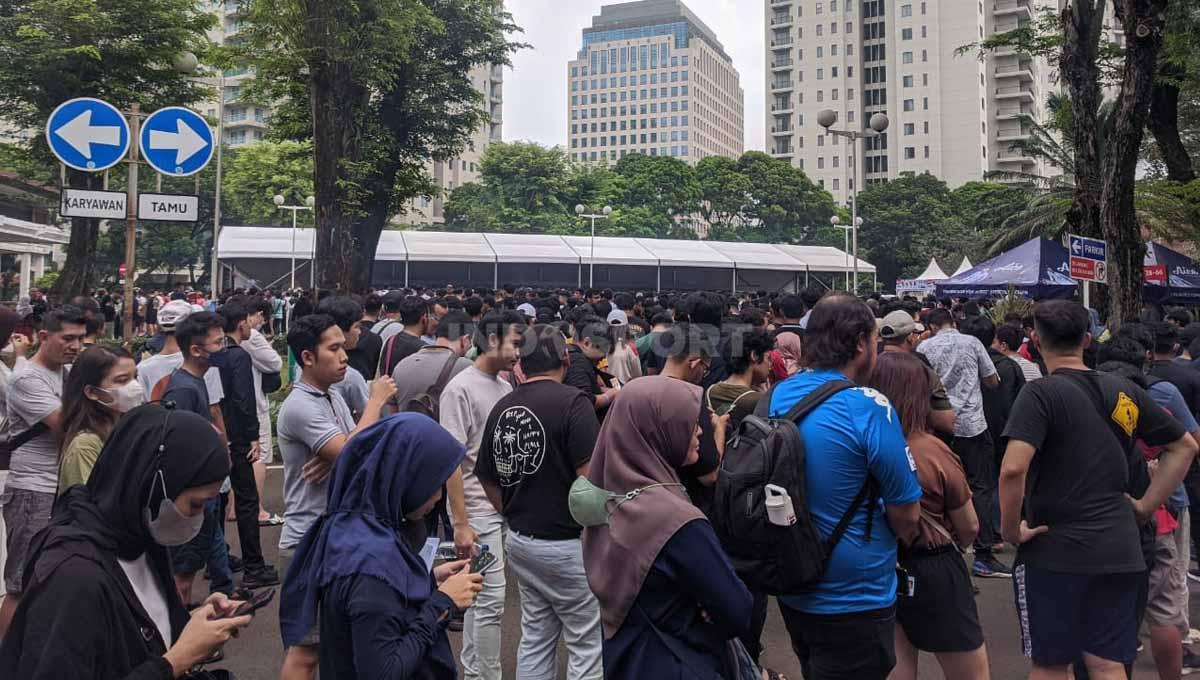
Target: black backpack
[778,560]
[428,402]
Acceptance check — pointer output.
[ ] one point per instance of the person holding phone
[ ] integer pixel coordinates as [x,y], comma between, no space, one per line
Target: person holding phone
[100,600]
[382,612]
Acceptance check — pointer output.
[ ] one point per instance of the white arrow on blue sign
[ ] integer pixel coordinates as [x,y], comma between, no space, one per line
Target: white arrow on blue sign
[1089,248]
[88,134]
[176,141]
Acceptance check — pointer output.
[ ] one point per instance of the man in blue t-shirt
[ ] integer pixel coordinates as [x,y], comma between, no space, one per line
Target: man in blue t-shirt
[844,628]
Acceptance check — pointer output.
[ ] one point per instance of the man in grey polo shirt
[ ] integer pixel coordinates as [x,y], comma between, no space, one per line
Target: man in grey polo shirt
[314,424]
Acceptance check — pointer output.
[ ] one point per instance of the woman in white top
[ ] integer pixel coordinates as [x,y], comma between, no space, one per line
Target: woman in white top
[101,601]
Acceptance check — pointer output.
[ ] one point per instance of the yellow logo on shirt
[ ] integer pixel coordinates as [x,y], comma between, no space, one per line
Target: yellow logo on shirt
[1126,414]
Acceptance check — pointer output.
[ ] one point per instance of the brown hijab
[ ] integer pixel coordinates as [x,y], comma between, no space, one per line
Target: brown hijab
[643,441]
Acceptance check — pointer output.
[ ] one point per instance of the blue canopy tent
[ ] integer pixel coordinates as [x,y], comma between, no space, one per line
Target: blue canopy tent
[1171,277]
[1037,269]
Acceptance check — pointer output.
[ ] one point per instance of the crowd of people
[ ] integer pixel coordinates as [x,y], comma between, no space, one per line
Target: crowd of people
[435,443]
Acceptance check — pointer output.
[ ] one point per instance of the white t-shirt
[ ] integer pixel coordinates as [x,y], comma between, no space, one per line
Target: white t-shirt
[465,406]
[148,592]
[155,368]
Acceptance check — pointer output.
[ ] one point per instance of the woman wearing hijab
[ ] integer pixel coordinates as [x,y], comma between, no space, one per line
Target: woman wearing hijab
[101,602]
[382,612]
[670,601]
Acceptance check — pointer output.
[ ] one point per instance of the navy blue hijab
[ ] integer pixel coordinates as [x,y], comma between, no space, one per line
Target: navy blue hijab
[382,474]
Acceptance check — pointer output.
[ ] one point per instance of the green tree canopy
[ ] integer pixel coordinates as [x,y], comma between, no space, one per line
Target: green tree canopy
[256,173]
[907,221]
[528,188]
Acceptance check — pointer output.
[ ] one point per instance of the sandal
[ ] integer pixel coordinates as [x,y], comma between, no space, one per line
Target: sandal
[272,520]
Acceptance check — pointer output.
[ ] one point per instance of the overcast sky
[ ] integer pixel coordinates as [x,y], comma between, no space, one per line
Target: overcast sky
[535,89]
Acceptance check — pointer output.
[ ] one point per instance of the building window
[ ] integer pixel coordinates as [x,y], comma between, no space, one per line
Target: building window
[906,10]
[833,72]
[820,162]
[926,127]
[836,160]
[927,152]
[908,105]
[908,81]
[925,105]
[833,50]
[820,8]
[820,74]
[924,31]
[820,140]
[907,58]
[924,56]
[849,94]
[820,29]
[820,52]
[835,181]
[906,34]
[910,153]
[910,129]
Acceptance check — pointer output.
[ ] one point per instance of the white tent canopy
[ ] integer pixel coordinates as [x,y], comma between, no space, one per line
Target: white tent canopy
[249,245]
[932,273]
[965,266]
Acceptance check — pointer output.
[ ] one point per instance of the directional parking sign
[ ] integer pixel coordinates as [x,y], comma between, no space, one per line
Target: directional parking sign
[176,141]
[88,134]
[1088,258]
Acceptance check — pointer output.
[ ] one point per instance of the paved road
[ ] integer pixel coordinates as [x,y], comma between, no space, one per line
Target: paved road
[257,653]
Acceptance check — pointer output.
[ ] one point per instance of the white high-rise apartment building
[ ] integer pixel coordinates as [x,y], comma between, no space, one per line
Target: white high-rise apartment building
[652,78]
[489,81]
[245,122]
[952,116]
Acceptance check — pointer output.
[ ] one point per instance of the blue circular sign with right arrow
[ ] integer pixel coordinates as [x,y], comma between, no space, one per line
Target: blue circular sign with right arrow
[177,141]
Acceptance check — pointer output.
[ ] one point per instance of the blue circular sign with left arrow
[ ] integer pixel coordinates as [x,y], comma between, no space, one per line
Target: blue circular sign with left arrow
[87,134]
[176,141]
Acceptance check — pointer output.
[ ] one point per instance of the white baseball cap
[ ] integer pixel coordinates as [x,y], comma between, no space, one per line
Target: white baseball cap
[618,318]
[173,312]
[528,310]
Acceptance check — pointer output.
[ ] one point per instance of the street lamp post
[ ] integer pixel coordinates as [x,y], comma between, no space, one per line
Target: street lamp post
[604,215]
[846,229]
[878,124]
[308,205]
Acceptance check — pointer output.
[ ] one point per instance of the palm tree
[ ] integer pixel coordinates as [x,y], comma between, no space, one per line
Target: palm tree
[1159,210]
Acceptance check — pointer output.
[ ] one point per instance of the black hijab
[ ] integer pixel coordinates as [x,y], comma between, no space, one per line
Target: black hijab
[105,518]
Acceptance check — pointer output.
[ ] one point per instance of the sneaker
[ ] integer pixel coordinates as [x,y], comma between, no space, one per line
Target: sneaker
[1191,662]
[990,567]
[260,578]
[1194,574]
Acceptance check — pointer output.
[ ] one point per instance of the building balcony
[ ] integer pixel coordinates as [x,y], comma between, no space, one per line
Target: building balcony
[783,131]
[782,153]
[1018,8]
[783,43]
[1015,158]
[780,109]
[782,64]
[1018,93]
[780,88]
[782,21]
[1021,72]
[780,3]
[1012,135]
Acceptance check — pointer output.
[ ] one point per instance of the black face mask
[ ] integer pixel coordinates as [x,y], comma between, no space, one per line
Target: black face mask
[218,359]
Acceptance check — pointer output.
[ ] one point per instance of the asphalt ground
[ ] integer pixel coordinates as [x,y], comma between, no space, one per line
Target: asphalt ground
[258,653]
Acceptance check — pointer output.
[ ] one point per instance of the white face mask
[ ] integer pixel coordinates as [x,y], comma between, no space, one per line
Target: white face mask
[126,397]
[172,528]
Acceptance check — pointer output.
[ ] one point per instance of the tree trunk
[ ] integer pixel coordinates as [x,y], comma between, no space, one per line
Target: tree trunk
[367,232]
[78,273]
[1083,22]
[1142,21]
[1164,123]
[335,111]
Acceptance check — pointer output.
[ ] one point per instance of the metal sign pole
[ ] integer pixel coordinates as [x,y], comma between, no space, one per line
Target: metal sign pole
[131,222]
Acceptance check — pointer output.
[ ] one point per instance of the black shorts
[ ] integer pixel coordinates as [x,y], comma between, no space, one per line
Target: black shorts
[1063,616]
[861,645]
[941,615]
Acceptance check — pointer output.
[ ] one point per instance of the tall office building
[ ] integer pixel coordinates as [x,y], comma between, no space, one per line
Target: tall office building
[652,78]
[489,81]
[953,116]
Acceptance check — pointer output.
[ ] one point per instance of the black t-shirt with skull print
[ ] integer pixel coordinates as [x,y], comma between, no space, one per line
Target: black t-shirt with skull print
[534,441]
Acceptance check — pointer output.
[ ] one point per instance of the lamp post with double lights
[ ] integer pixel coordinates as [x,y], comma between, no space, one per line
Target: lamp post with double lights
[308,205]
[878,125]
[580,210]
